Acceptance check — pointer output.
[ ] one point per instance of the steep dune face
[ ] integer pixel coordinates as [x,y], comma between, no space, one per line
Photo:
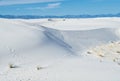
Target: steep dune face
[78,41]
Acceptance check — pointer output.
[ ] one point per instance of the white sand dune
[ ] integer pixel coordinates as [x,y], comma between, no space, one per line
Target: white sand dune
[59,48]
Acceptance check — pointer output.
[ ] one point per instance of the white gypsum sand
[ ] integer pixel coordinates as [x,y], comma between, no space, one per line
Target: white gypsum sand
[57,50]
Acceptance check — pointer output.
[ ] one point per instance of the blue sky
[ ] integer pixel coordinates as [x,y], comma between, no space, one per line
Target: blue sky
[59,7]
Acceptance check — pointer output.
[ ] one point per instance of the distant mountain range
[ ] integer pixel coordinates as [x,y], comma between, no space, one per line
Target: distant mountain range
[64,16]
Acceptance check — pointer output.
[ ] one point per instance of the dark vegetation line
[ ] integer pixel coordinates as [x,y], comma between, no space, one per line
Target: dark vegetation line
[51,16]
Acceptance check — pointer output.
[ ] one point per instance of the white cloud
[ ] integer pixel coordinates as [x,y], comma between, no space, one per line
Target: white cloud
[98,0]
[53,5]
[49,6]
[12,2]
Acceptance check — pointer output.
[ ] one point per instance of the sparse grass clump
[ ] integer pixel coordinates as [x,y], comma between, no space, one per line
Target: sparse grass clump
[39,67]
[89,52]
[101,55]
[118,63]
[12,66]
[118,51]
[108,51]
[114,60]
[50,19]
[63,19]
[112,41]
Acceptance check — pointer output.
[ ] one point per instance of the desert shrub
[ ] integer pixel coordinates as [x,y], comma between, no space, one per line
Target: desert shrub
[63,19]
[89,52]
[39,67]
[101,55]
[12,66]
[49,19]
[118,51]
